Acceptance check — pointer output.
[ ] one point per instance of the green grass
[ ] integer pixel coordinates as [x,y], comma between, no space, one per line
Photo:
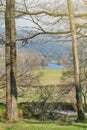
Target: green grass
[32,124]
[25,124]
[50,76]
[2,110]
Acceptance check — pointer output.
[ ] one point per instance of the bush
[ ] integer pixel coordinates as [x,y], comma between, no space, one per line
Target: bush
[27,115]
[42,110]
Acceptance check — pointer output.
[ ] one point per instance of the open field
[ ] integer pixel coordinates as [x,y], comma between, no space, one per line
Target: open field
[46,77]
[50,77]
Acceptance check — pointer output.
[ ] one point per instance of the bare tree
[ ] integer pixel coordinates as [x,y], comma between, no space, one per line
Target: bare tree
[80,111]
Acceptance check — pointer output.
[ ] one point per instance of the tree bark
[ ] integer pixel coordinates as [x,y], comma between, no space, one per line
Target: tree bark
[11,91]
[80,112]
[8,62]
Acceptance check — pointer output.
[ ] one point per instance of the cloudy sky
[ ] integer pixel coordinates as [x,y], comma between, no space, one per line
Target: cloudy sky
[50,4]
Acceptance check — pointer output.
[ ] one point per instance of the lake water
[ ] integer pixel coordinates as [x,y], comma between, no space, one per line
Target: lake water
[53,65]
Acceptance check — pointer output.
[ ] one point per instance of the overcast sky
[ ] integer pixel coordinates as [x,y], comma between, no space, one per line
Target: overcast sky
[22,22]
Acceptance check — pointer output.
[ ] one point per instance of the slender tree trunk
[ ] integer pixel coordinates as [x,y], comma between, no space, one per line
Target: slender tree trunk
[80,111]
[14,114]
[11,92]
[8,62]
[84,101]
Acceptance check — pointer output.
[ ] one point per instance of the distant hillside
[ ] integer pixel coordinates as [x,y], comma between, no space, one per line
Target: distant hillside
[51,51]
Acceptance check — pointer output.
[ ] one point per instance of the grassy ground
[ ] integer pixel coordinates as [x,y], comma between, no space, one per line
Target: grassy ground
[25,124]
[50,76]
[32,124]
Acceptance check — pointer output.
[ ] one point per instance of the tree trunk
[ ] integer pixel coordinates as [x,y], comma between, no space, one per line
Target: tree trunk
[80,111]
[84,97]
[11,92]
[8,62]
